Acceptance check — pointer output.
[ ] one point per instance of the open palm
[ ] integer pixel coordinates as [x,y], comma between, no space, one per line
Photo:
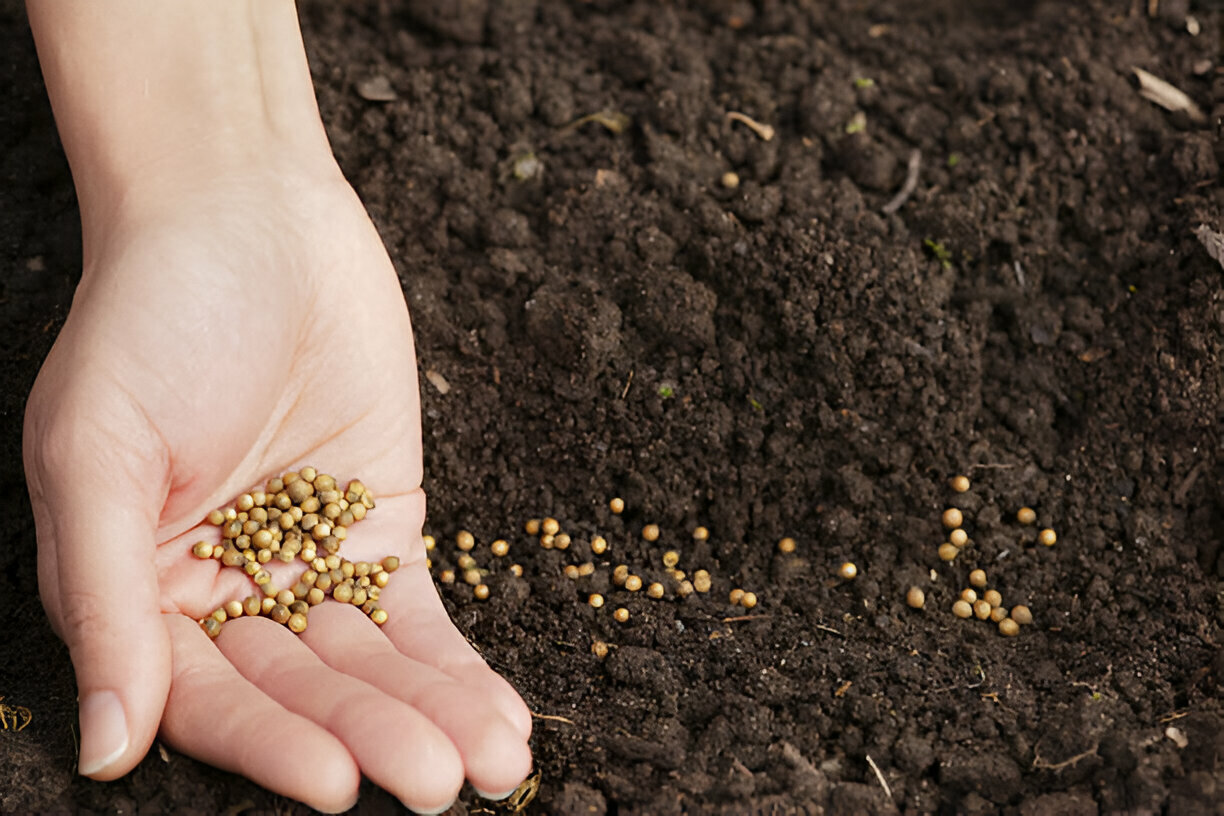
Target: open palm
[255,327]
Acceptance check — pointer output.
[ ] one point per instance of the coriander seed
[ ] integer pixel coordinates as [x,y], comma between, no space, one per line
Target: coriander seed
[749,600]
[968,596]
[651,532]
[516,570]
[297,621]
[599,545]
[547,540]
[617,505]
[915,597]
[465,541]
[1009,628]
[532,527]
[202,549]
[961,609]
[280,613]
[848,570]
[958,537]
[786,545]
[619,574]
[621,614]
[1022,614]
[561,541]
[981,610]
[736,596]
[684,589]
[586,569]
[599,649]
[252,606]
[471,576]
[216,518]
[595,600]
[633,583]
[700,534]
[550,526]
[655,590]
[571,571]
[1047,537]
[959,483]
[344,592]
[948,551]
[234,609]
[977,578]
[481,591]
[998,613]
[953,518]
[1026,515]
[500,547]
[992,597]
[701,581]
[379,616]
[671,558]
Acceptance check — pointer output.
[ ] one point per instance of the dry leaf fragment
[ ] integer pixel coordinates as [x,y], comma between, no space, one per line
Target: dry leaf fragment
[1212,241]
[1155,89]
[376,89]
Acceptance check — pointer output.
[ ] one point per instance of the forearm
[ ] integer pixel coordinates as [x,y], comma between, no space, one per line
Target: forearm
[148,95]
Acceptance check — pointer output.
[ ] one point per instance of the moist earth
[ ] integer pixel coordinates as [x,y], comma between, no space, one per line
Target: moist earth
[779,357]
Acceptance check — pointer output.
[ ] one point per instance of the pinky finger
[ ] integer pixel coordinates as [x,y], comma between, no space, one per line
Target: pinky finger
[218,716]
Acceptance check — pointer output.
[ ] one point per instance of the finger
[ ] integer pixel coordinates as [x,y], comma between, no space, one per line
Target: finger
[394,744]
[419,627]
[97,504]
[217,716]
[495,753]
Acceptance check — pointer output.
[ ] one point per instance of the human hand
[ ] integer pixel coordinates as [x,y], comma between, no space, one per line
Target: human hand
[226,329]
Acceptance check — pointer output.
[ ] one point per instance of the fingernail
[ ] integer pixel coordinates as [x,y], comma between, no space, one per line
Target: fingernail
[104,734]
[435,811]
[494,797]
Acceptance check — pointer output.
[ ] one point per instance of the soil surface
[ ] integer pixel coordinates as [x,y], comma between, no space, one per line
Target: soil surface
[777,358]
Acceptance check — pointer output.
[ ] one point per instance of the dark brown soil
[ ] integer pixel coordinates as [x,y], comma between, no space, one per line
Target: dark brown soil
[778,359]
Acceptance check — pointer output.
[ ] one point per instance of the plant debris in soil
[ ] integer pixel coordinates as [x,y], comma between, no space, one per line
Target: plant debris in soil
[771,357]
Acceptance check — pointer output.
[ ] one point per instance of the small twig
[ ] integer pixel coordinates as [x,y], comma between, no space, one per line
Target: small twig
[911,183]
[555,717]
[824,628]
[991,466]
[745,618]
[879,776]
[1038,762]
[766,132]
[628,383]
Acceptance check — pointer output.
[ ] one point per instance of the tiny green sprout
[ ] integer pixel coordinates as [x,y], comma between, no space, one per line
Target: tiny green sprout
[953,159]
[755,405]
[666,391]
[1132,288]
[864,82]
[941,252]
[857,123]
[1096,696]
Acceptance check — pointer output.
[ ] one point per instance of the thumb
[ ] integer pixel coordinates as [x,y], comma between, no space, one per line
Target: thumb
[97,478]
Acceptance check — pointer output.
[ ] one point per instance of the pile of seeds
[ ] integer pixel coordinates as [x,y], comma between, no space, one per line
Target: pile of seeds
[301,515]
[626,581]
[989,606]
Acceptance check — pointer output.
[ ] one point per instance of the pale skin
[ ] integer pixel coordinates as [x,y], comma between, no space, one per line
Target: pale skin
[237,317]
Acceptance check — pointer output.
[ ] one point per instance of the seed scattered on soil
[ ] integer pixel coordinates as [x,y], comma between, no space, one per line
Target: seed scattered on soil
[962,609]
[998,613]
[561,541]
[550,526]
[516,570]
[953,518]
[959,483]
[702,581]
[595,600]
[848,570]
[651,532]
[700,534]
[736,595]
[617,505]
[786,545]
[1022,614]
[958,537]
[1026,515]
[532,527]
[977,578]
[981,610]
[915,598]
[948,551]
[619,574]
[968,595]
[599,545]
[749,600]
[993,597]
[571,571]
[447,576]
[655,590]
[671,558]
[465,540]
[481,591]
[1047,537]
[599,649]
[633,583]
[500,548]
[621,614]
[730,180]
[1009,628]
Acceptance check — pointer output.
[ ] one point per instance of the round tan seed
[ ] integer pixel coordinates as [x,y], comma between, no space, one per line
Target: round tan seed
[211,626]
[547,540]
[532,527]
[1022,614]
[599,545]
[915,597]
[216,518]
[586,569]
[465,562]
[280,613]
[671,558]
[471,576]
[344,592]
[619,574]
[550,526]
[465,540]
[308,473]
[595,600]
[981,610]
[500,548]
[786,545]
[621,614]
[651,532]
[730,180]
[561,541]
[992,597]
[998,613]
[700,533]
[516,570]
[655,590]
[297,621]
[599,649]
[948,551]
[848,570]
[1026,515]
[977,578]
[959,483]
[962,609]
[571,571]
[749,600]
[617,505]
[701,581]
[684,589]
[315,596]
[379,616]
[736,595]
[633,583]
[1009,628]
[968,596]
[1047,537]
[953,518]
[251,605]
[481,591]
[958,537]
[233,609]
[202,549]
